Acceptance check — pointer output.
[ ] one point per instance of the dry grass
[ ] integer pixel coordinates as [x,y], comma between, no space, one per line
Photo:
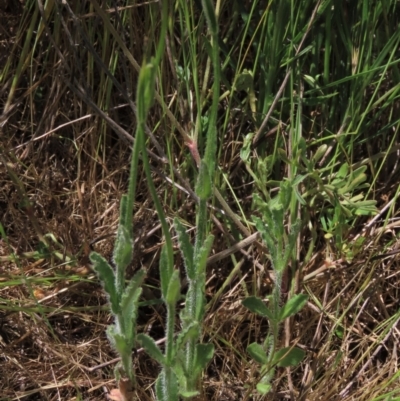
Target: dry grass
[62,172]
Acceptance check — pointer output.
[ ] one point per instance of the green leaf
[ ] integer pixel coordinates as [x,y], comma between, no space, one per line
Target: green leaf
[359,171]
[107,278]
[298,179]
[123,250]
[123,211]
[344,211]
[130,292]
[256,305]
[263,388]
[319,153]
[167,386]
[267,236]
[200,259]
[291,242]
[151,348]
[165,275]
[145,91]
[340,331]
[285,194]
[244,81]
[264,168]
[191,332]
[188,394]
[293,306]
[204,354]
[181,376]
[203,184]
[366,211]
[310,80]
[256,351]
[352,185]
[130,304]
[343,171]
[283,156]
[357,177]
[246,148]
[208,9]
[288,357]
[186,248]
[110,331]
[174,289]
[118,341]
[199,298]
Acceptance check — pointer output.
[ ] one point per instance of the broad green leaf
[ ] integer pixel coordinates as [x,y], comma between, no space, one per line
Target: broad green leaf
[256,351]
[356,199]
[188,394]
[123,207]
[186,248]
[180,374]
[130,304]
[200,259]
[118,341]
[203,184]
[366,211]
[359,171]
[367,204]
[167,386]
[319,153]
[204,354]
[337,183]
[123,250]
[107,278]
[110,331]
[128,317]
[256,305]
[263,388]
[191,332]
[293,306]
[151,348]
[343,171]
[352,185]
[288,357]
[174,289]
[285,194]
[357,177]
[132,288]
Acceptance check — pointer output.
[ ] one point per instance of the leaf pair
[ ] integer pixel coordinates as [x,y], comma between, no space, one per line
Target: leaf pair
[266,354]
[292,306]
